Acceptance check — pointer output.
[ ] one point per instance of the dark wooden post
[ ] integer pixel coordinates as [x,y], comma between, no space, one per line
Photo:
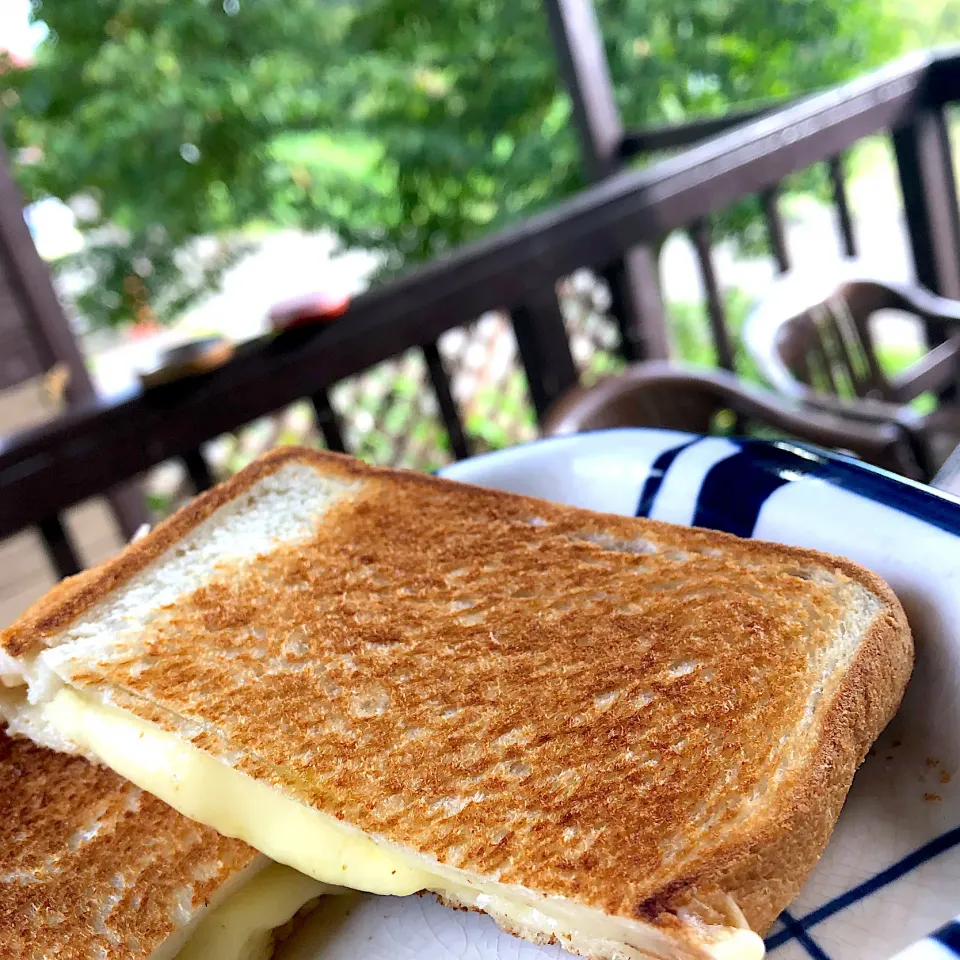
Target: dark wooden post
[544,348]
[770,202]
[47,326]
[633,281]
[443,389]
[59,545]
[930,204]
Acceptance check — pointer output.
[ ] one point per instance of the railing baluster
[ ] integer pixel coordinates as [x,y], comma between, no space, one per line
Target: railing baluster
[700,235]
[841,203]
[769,200]
[544,348]
[328,421]
[637,306]
[59,546]
[930,204]
[448,406]
[200,475]
[129,508]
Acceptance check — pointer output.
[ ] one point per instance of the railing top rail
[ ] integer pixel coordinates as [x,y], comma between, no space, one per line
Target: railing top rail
[943,86]
[677,136]
[98,446]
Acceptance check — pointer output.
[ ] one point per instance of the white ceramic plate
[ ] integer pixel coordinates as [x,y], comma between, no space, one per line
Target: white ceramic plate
[891,873]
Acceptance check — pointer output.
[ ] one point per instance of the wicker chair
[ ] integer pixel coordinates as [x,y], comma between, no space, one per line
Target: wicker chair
[660,395]
[820,350]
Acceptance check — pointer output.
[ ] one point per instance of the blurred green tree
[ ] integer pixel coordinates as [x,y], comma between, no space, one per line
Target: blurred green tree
[406,128]
[930,23]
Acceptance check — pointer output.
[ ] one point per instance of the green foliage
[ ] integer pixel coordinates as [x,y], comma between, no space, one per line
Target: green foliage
[407,128]
[501,415]
[929,23]
[165,116]
[690,333]
[478,126]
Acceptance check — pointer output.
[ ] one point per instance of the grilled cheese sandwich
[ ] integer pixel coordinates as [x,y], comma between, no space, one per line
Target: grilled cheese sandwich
[585,726]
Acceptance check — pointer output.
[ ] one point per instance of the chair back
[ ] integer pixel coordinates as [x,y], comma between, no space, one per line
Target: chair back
[808,345]
[645,395]
[657,394]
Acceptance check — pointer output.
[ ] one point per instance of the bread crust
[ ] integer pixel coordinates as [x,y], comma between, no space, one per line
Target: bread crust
[761,868]
[73,596]
[765,875]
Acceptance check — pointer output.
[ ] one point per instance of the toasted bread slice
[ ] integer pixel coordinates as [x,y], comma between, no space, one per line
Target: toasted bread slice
[91,866]
[630,737]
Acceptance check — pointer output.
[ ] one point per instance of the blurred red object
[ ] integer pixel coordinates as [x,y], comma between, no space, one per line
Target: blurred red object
[304,311]
[143,329]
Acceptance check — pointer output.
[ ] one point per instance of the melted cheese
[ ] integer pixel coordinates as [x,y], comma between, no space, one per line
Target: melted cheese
[204,789]
[241,928]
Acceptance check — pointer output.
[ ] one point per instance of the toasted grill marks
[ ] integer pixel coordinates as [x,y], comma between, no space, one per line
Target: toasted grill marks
[83,851]
[768,871]
[585,705]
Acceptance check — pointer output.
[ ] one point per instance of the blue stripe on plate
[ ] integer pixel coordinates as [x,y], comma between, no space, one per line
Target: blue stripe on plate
[949,936]
[658,472]
[793,929]
[909,497]
[943,843]
[735,489]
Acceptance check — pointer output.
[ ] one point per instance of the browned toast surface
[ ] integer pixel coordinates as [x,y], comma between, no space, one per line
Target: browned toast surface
[92,866]
[603,708]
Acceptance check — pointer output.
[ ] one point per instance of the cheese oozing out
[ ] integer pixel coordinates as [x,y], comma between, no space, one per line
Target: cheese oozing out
[241,928]
[316,844]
